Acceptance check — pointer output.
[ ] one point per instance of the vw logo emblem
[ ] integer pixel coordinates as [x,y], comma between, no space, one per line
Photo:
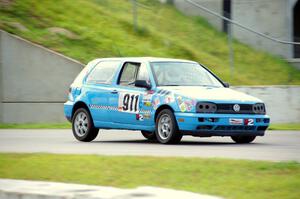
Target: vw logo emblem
[236,108]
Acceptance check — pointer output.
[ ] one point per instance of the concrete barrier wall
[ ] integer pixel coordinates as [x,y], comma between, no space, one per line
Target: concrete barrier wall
[214,5]
[34,81]
[282,102]
[271,17]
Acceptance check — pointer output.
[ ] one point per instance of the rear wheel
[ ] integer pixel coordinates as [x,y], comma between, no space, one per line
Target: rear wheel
[243,139]
[83,126]
[166,128]
[149,135]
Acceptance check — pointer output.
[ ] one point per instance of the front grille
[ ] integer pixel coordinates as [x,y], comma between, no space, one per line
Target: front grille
[228,108]
[235,128]
[209,107]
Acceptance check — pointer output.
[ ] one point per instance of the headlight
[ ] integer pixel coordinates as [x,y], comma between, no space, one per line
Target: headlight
[259,108]
[206,107]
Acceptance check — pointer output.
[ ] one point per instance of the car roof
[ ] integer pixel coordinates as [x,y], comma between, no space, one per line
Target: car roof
[144,59]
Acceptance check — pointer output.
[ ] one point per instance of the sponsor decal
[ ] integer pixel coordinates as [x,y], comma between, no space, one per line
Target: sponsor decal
[169,99]
[182,107]
[155,103]
[147,116]
[179,100]
[129,102]
[147,98]
[147,103]
[235,121]
[188,105]
[143,115]
[139,117]
[249,122]
[185,104]
[150,92]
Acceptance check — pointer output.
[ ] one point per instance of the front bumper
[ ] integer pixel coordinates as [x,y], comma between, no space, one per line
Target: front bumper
[206,125]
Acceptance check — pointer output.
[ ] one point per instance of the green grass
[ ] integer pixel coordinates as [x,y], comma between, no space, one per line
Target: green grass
[288,126]
[238,179]
[104,28]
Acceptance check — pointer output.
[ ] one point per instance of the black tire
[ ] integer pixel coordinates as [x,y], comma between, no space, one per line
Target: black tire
[83,126]
[167,134]
[149,135]
[243,139]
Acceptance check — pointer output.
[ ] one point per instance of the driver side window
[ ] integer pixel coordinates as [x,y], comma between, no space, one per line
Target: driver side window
[129,74]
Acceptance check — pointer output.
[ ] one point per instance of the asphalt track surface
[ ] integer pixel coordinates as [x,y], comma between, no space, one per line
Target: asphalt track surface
[274,146]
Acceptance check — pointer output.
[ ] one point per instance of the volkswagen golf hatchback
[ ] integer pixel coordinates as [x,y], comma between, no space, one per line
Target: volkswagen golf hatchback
[165,99]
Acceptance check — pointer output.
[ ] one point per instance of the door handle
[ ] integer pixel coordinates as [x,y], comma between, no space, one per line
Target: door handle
[114,92]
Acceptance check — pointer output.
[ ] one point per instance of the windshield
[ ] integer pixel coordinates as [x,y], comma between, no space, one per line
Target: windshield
[183,74]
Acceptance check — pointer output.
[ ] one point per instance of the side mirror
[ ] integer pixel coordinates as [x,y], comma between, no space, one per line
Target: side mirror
[226,84]
[142,84]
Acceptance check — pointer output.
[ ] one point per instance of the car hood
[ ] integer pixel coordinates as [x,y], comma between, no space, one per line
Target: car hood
[213,94]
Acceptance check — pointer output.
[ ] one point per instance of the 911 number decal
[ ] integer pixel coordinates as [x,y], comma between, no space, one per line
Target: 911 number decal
[129,102]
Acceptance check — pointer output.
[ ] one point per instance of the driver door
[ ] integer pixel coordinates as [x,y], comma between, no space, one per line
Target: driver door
[128,98]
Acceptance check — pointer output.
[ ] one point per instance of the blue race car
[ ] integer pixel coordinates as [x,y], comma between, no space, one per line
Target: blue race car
[163,98]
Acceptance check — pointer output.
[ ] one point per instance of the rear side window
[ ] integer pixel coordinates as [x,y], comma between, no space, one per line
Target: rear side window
[103,73]
[78,81]
[129,74]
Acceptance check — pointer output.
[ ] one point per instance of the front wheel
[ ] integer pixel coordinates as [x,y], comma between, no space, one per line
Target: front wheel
[243,139]
[83,126]
[166,128]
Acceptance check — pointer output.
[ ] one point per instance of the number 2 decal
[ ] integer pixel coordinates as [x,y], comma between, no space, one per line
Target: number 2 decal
[129,102]
[249,122]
